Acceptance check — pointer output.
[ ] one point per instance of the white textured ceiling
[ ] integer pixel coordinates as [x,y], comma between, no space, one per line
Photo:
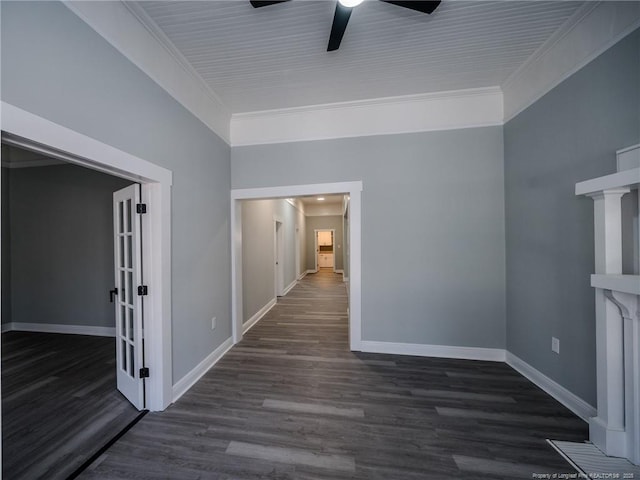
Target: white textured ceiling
[275,57]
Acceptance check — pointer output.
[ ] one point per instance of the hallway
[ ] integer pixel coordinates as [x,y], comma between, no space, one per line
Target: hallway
[292,402]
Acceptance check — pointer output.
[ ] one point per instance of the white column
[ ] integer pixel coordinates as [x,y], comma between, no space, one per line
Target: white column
[607,430]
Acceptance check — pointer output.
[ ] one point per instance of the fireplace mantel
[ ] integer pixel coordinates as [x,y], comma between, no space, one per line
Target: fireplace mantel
[616,428]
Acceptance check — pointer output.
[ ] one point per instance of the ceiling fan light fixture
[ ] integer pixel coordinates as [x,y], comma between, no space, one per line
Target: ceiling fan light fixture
[350,3]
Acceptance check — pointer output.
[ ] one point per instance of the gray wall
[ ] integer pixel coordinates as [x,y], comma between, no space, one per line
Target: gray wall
[6,248]
[325,222]
[439,203]
[57,67]
[62,245]
[258,261]
[569,135]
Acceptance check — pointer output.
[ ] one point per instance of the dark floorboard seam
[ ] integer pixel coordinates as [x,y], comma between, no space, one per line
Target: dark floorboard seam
[106,446]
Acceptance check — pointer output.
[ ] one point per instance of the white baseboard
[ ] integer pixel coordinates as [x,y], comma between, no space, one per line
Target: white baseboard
[303,274]
[311,270]
[246,326]
[289,287]
[574,403]
[339,270]
[189,380]
[442,351]
[57,328]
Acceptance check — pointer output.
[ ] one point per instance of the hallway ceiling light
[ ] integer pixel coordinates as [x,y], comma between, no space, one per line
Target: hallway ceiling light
[320,199]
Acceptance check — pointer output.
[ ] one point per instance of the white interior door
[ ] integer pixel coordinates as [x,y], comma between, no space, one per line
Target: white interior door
[128,274]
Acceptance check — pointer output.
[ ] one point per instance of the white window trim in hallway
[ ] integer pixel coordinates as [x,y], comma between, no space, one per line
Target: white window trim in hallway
[24,129]
[354,190]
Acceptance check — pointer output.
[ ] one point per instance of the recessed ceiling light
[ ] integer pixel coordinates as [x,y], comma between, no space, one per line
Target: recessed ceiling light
[320,199]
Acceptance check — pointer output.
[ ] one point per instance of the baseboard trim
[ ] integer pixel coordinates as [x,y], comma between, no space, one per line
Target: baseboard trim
[302,275]
[58,328]
[289,287]
[574,403]
[339,270]
[442,351]
[189,380]
[246,326]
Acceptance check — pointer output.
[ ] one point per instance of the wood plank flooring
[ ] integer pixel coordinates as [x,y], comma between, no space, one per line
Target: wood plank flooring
[292,402]
[59,403]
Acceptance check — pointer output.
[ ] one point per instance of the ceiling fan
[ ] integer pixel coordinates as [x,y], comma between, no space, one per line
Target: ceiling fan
[344,9]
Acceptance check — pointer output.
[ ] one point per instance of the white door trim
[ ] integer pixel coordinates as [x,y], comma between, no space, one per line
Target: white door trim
[24,129]
[354,190]
[297,251]
[278,256]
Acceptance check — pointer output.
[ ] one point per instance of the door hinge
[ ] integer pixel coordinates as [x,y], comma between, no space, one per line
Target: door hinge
[144,372]
[141,208]
[142,290]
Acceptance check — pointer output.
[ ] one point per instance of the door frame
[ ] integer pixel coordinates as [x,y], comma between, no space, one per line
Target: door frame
[278,255]
[297,251]
[354,190]
[317,252]
[26,130]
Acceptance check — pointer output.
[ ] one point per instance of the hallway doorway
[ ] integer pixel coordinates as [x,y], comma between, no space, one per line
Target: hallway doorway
[353,190]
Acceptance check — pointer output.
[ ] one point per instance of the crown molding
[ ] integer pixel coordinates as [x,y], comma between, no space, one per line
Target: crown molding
[382,116]
[374,102]
[594,28]
[127,28]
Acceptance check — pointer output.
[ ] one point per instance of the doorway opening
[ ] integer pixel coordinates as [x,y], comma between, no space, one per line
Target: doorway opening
[325,248]
[59,351]
[21,129]
[35,134]
[351,190]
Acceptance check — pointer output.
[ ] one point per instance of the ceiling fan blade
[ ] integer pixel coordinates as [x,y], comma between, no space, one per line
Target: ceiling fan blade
[339,25]
[265,3]
[420,6]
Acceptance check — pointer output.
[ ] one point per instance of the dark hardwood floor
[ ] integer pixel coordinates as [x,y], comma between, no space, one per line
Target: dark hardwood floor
[292,402]
[59,403]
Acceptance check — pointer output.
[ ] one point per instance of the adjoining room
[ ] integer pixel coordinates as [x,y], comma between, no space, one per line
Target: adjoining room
[60,404]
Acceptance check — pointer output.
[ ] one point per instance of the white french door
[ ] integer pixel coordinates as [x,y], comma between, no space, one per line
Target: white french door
[129,293]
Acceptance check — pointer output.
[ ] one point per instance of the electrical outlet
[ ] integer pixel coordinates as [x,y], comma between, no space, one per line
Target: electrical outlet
[555,345]
[213,323]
